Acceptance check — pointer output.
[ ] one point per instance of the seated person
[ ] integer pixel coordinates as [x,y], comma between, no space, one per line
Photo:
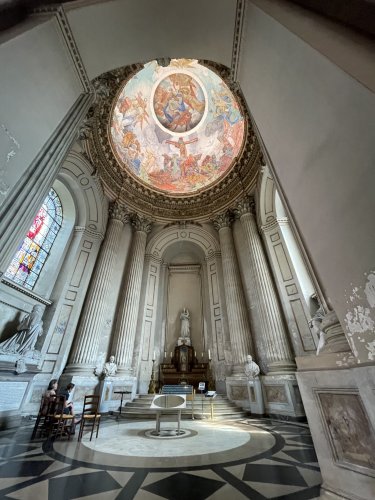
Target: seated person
[49,395]
[69,409]
[52,388]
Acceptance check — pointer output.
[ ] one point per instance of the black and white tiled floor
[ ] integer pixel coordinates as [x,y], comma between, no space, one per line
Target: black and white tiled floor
[256,459]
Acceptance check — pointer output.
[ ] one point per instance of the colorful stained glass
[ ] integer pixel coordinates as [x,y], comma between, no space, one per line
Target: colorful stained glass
[33,252]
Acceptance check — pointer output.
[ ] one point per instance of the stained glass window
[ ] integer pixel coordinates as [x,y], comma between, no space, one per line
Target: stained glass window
[34,250]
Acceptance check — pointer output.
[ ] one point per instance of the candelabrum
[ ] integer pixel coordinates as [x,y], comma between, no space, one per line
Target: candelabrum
[211,382]
[151,387]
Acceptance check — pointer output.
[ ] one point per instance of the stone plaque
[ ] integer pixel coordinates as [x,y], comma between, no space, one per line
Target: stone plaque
[349,429]
[276,394]
[239,392]
[11,395]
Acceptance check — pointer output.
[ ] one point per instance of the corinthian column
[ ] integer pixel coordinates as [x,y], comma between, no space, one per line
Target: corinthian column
[85,350]
[267,310]
[123,342]
[239,327]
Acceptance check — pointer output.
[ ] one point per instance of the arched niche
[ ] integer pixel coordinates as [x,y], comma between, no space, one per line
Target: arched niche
[183,269]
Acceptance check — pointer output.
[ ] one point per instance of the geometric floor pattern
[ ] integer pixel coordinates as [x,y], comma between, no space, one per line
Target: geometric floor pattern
[284,469]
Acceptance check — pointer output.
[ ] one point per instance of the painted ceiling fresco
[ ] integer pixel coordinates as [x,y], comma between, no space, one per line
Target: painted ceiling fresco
[177,128]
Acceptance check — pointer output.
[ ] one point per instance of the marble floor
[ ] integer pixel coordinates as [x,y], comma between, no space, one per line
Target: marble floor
[251,458]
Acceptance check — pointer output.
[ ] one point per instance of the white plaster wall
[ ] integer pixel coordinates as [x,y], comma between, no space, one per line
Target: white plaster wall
[37,87]
[117,33]
[318,126]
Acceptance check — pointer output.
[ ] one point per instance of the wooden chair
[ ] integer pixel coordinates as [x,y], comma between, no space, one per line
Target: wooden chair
[60,423]
[90,416]
[42,423]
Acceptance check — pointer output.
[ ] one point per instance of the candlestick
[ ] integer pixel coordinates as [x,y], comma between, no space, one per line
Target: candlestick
[154,356]
[209,354]
[165,354]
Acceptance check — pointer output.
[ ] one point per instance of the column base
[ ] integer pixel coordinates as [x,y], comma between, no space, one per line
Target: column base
[281,397]
[281,367]
[73,370]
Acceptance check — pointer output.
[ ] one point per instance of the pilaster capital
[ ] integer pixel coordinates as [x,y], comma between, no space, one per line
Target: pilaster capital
[245,206]
[119,212]
[141,223]
[222,220]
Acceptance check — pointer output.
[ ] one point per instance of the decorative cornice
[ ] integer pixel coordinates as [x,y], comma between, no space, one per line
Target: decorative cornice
[274,224]
[119,212]
[59,12]
[222,220]
[24,291]
[159,205]
[141,223]
[237,38]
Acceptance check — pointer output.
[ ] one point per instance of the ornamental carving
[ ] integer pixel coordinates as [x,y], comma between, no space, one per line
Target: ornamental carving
[119,212]
[222,220]
[244,206]
[152,202]
[141,223]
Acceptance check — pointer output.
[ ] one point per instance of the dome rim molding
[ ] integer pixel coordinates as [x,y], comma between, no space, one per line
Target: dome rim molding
[155,204]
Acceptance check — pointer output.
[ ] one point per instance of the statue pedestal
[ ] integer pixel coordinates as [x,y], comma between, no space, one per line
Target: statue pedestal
[254,387]
[110,389]
[183,341]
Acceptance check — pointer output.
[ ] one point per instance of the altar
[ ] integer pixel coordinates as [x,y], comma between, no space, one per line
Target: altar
[184,368]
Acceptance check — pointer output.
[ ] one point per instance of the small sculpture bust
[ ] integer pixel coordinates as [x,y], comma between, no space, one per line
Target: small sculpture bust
[110,368]
[252,370]
[185,323]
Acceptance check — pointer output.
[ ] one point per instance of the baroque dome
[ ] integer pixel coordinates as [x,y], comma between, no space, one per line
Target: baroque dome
[172,141]
[178,128]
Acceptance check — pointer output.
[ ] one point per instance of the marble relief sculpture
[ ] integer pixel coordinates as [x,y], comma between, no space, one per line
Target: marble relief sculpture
[28,331]
[315,324]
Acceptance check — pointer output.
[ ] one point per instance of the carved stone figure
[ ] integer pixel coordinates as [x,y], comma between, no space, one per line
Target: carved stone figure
[252,370]
[24,340]
[316,323]
[110,368]
[185,323]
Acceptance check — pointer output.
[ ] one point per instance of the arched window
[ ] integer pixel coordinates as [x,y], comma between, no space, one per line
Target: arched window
[32,254]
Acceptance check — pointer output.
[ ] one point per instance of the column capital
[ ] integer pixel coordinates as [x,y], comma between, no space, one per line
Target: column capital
[119,212]
[222,220]
[141,223]
[245,206]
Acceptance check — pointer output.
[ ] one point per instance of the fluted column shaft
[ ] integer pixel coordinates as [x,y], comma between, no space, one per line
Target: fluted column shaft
[274,335]
[126,326]
[239,326]
[85,350]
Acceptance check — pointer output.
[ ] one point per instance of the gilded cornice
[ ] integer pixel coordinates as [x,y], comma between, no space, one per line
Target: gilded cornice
[136,195]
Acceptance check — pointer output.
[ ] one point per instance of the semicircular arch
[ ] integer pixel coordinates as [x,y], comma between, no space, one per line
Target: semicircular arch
[191,233]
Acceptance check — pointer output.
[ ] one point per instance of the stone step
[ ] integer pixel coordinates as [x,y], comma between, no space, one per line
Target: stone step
[139,408]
